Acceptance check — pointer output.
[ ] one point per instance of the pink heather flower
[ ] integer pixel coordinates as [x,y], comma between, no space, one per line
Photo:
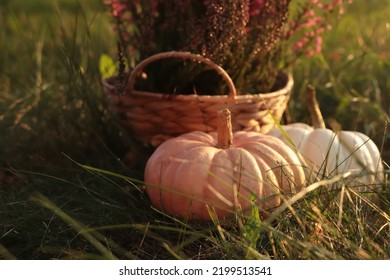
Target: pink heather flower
[318,44]
[299,44]
[312,24]
[255,7]
[309,13]
[118,7]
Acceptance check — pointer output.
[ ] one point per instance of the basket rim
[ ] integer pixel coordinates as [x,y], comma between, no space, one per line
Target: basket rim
[285,90]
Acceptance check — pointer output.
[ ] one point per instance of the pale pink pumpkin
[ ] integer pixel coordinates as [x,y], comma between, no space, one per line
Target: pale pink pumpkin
[223,172]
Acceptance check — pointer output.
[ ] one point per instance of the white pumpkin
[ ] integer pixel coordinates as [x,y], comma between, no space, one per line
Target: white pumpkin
[330,153]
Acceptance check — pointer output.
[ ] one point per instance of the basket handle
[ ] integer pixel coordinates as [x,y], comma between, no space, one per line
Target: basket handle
[184,55]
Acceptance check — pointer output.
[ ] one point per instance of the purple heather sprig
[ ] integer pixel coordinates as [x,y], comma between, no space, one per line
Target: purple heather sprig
[311,24]
[255,7]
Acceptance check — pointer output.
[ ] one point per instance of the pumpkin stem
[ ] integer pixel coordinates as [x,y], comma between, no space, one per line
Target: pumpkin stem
[224,130]
[314,108]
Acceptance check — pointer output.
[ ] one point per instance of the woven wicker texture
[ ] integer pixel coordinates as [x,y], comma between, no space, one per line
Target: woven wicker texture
[155,117]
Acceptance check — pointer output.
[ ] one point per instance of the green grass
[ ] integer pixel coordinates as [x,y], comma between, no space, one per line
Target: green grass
[66,192]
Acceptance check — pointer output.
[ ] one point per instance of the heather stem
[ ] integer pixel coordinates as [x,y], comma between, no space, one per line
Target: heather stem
[314,108]
[224,130]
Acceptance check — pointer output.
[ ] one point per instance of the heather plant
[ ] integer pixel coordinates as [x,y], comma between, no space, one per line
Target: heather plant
[253,40]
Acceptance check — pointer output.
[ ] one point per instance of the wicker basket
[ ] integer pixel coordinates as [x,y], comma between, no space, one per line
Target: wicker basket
[155,117]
